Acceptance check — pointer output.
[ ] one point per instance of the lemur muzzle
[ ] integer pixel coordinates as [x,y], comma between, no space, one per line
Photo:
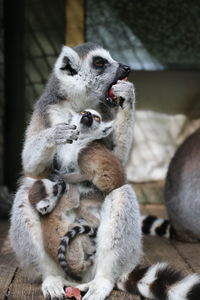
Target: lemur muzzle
[87,119]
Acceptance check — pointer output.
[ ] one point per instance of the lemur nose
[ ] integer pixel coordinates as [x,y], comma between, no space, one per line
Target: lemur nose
[127,69]
[87,119]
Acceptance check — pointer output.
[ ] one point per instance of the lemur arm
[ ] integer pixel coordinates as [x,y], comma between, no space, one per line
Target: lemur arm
[40,144]
[75,177]
[119,247]
[123,126]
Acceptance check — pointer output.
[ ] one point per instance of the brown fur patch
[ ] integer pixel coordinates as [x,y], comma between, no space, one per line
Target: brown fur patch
[37,192]
[102,167]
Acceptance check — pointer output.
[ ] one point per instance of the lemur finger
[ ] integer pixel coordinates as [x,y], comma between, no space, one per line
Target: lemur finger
[67,132]
[63,141]
[66,137]
[84,287]
[123,86]
[124,90]
[62,129]
[66,125]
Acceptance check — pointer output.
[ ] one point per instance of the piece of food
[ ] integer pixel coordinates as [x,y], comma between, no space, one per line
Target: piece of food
[73,293]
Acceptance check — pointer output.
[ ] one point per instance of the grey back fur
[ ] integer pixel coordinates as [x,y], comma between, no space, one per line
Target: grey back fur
[182,190]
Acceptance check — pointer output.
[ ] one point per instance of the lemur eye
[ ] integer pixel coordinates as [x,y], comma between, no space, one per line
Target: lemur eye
[82,112]
[99,62]
[97,118]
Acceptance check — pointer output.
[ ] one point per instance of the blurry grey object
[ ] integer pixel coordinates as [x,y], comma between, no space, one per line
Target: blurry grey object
[182,190]
[6,200]
[157,137]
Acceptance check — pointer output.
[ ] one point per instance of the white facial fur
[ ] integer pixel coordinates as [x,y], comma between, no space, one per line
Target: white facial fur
[88,85]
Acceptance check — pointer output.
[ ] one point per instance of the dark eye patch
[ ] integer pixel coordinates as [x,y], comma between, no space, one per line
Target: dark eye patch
[99,62]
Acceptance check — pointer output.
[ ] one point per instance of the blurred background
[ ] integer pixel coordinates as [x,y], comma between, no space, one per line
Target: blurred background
[159,39]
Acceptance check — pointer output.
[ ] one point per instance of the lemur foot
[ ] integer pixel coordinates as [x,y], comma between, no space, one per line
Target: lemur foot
[53,288]
[97,289]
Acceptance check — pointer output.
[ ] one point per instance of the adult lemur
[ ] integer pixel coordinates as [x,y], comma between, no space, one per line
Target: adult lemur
[81,79]
[181,195]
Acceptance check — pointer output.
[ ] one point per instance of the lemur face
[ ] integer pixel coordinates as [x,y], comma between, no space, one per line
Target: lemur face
[87,73]
[89,122]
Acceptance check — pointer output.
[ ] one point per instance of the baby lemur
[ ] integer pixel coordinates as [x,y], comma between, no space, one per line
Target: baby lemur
[97,165]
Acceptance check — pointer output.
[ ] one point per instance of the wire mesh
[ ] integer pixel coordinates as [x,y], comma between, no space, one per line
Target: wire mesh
[45,32]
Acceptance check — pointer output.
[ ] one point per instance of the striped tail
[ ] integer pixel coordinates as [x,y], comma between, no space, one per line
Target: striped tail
[161,282]
[152,225]
[68,237]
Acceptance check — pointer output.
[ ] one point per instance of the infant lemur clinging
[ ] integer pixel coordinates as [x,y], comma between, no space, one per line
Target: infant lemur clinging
[92,162]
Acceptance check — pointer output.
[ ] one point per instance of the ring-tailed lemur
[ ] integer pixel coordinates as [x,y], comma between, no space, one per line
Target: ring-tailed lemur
[82,78]
[181,196]
[99,166]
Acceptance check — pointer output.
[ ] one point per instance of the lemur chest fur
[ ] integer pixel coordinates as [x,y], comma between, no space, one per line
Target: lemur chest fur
[67,157]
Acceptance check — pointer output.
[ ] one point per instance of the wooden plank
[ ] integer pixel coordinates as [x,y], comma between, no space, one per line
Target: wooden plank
[158,249]
[3,231]
[118,295]
[8,267]
[190,253]
[75,24]
[158,210]
[150,192]
[21,289]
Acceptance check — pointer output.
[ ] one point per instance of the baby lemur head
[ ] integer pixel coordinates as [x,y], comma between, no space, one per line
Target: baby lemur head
[89,123]
[85,74]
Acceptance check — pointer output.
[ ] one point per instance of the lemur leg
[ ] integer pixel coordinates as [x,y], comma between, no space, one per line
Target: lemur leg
[27,242]
[75,177]
[123,126]
[119,239]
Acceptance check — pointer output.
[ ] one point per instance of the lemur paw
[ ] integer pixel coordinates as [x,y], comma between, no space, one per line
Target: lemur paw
[126,91]
[62,133]
[97,289]
[53,288]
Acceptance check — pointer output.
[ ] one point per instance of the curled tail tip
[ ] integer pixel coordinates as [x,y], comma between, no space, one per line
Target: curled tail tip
[152,225]
[68,237]
[160,281]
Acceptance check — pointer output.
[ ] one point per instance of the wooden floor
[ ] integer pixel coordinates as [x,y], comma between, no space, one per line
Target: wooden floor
[13,285]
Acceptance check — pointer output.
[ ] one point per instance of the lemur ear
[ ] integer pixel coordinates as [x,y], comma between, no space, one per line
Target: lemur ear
[68,62]
[107,128]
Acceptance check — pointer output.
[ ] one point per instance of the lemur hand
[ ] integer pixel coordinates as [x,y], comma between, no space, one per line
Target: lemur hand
[61,134]
[125,90]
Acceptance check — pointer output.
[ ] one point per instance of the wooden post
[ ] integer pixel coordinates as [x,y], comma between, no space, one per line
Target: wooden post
[14,121]
[75,22]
